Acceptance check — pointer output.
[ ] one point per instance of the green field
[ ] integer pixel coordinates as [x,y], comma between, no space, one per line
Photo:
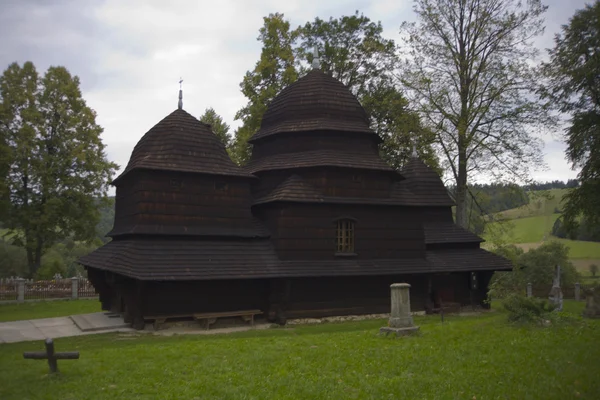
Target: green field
[542,202]
[479,357]
[531,225]
[47,309]
[522,230]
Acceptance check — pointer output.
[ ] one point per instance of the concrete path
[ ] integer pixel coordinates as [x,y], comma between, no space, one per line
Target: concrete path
[76,325]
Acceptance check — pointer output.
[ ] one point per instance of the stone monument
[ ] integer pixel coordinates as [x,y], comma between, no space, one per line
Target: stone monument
[556,295]
[401,322]
[592,303]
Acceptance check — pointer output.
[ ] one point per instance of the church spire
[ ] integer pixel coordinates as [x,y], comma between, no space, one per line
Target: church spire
[414,148]
[316,62]
[180,102]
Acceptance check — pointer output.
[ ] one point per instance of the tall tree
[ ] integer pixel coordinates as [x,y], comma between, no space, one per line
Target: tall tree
[469,71]
[218,126]
[353,50]
[274,71]
[54,163]
[574,88]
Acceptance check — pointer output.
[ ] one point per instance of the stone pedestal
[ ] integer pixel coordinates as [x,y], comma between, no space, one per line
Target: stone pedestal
[400,322]
[74,288]
[20,290]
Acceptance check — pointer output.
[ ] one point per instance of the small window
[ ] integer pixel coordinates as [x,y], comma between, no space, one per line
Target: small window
[176,183]
[220,185]
[357,178]
[345,236]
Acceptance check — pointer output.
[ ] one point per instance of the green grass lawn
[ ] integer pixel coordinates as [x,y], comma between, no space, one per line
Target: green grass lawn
[47,309]
[478,357]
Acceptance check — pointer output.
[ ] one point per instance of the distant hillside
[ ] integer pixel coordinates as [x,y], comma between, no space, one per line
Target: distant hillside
[541,202]
[530,225]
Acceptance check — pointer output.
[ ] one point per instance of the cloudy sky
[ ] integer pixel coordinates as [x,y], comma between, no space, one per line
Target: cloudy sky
[129,54]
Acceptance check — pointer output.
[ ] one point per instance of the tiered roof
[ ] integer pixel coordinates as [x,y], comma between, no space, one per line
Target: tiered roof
[315,102]
[180,142]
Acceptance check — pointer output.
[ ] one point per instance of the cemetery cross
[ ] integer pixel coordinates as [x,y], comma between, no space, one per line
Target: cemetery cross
[51,356]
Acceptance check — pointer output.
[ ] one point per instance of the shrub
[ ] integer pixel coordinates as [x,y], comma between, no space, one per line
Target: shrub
[593,270]
[527,310]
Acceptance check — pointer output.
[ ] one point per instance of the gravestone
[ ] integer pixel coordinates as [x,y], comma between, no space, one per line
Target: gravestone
[556,295]
[400,322]
[592,303]
[51,356]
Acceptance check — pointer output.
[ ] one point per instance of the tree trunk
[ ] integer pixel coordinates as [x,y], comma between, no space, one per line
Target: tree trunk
[34,257]
[462,219]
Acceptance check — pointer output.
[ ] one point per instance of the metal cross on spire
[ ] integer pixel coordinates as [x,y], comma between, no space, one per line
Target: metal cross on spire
[180,103]
[316,62]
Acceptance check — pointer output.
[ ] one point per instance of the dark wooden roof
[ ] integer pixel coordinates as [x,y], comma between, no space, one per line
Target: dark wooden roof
[181,259]
[319,158]
[315,102]
[448,232]
[247,259]
[424,183]
[180,142]
[245,228]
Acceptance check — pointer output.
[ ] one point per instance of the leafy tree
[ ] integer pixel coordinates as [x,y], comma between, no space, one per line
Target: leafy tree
[535,266]
[218,126]
[573,87]
[468,71]
[593,270]
[13,260]
[274,71]
[53,158]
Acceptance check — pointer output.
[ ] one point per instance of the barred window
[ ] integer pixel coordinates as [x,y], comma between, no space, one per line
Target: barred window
[345,236]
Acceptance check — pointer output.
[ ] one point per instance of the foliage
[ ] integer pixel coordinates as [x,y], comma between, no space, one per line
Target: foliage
[13,260]
[107,219]
[555,184]
[585,231]
[329,361]
[573,87]
[527,310]
[468,70]
[47,309]
[593,269]
[53,159]
[535,266]
[273,71]
[217,125]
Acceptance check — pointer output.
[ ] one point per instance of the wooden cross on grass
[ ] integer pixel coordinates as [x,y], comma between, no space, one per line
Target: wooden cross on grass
[51,356]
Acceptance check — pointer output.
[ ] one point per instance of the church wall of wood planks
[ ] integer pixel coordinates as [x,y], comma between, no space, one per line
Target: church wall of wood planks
[316,224]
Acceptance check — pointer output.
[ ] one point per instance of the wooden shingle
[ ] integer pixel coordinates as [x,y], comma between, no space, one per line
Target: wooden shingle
[180,142]
[314,102]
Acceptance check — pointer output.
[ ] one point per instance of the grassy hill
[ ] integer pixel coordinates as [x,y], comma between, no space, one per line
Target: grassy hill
[529,226]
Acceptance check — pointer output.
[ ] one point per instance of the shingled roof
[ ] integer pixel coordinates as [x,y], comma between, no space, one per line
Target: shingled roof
[424,183]
[319,158]
[249,259]
[448,232]
[180,142]
[314,102]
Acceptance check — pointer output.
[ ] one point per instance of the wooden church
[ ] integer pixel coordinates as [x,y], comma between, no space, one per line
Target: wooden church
[316,224]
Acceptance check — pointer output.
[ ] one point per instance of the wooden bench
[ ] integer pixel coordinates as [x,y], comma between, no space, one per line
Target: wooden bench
[209,318]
